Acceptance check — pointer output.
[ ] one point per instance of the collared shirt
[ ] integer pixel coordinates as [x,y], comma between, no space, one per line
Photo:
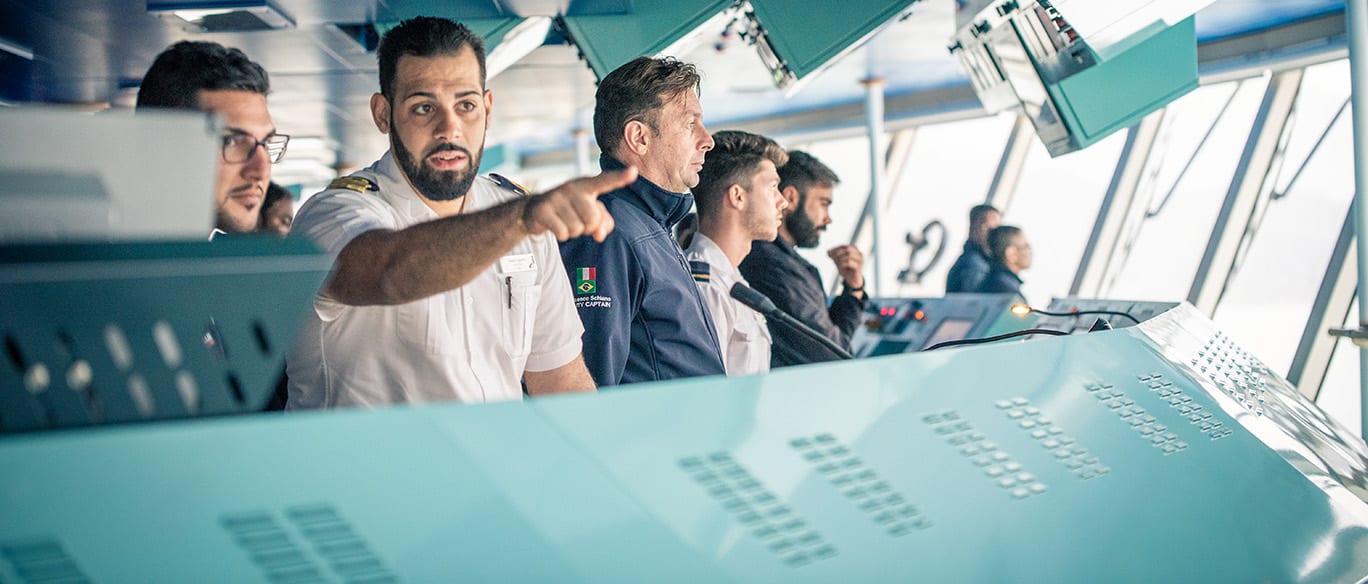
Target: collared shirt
[969,270]
[776,270]
[741,331]
[643,317]
[471,344]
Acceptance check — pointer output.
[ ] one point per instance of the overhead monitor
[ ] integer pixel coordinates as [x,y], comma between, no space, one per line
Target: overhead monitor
[1078,70]
[76,176]
[797,44]
[607,41]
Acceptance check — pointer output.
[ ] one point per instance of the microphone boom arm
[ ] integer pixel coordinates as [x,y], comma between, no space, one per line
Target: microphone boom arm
[762,304]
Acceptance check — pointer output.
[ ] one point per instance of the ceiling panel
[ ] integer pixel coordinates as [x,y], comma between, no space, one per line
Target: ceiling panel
[1231,17]
[94,51]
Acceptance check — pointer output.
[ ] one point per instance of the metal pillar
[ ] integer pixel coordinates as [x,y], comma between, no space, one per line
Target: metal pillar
[1119,209]
[874,119]
[1356,15]
[1009,167]
[583,166]
[1250,190]
[896,161]
[899,154]
[899,151]
[1312,360]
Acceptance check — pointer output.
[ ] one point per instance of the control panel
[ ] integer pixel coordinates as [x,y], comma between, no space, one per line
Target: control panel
[1079,315]
[908,325]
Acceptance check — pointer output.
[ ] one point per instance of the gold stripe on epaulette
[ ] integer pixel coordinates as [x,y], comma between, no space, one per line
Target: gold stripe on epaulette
[353,183]
[509,184]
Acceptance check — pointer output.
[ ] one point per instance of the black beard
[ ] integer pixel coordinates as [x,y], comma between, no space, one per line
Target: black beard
[435,185]
[802,228]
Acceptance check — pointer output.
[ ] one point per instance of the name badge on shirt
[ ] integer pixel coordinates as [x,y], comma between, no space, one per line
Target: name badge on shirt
[514,263]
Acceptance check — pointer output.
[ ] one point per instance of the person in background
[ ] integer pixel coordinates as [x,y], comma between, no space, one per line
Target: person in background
[973,265]
[738,203]
[776,270]
[208,77]
[277,211]
[644,319]
[1011,255]
[447,285]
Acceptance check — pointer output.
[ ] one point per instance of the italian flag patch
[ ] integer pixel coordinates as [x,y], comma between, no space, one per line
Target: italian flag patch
[586,281]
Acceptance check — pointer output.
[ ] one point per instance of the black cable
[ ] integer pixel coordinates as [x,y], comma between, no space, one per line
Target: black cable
[1083,312]
[1024,332]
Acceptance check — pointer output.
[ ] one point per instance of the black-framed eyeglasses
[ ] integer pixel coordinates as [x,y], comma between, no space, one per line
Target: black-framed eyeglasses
[239,147]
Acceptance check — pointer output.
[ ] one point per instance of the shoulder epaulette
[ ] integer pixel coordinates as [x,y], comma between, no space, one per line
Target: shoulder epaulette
[508,184]
[702,272]
[353,183]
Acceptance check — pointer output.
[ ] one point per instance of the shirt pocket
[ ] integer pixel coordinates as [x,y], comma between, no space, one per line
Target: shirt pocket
[736,347]
[522,294]
[423,325]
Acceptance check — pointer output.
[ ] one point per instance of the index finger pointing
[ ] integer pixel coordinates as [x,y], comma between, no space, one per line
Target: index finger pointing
[609,181]
[606,224]
[594,186]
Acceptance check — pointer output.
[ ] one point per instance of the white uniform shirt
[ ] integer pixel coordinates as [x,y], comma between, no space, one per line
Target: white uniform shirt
[470,344]
[741,331]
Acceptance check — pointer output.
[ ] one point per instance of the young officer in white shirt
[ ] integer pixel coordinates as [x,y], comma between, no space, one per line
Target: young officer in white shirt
[738,202]
[447,285]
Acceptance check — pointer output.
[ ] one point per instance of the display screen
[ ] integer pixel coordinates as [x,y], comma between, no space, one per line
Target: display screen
[950,329]
[887,347]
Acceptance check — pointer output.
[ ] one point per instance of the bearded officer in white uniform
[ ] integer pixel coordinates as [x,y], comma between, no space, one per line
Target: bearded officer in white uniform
[446,285]
[738,202]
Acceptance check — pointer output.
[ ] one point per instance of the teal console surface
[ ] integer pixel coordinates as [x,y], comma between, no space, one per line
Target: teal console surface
[1155,453]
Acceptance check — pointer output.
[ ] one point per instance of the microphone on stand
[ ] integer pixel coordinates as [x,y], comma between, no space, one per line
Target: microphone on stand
[763,305]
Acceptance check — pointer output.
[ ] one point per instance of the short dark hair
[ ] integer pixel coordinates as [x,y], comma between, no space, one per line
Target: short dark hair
[274,194]
[734,160]
[425,36]
[979,213]
[188,67]
[803,171]
[999,239]
[635,92]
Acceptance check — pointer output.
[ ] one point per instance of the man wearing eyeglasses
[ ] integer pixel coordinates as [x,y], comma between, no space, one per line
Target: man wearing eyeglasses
[208,77]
